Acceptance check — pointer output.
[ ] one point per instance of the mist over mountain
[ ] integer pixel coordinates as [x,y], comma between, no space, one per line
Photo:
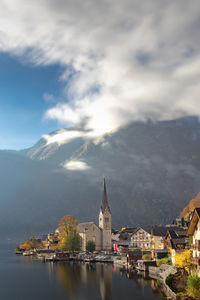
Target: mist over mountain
[152,171]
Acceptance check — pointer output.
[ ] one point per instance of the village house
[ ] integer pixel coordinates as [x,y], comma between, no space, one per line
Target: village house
[142,238]
[158,234]
[120,239]
[100,235]
[194,233]
[149,239]
[176,239]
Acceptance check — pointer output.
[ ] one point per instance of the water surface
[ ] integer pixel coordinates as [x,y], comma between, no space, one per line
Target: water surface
[22,278]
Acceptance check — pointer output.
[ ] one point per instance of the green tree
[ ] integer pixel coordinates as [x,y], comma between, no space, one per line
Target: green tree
[163,261]
[146,257]
[193,286]
[90,246]
[69,238]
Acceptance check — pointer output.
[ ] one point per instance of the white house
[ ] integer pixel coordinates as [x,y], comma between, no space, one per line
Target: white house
[194,233]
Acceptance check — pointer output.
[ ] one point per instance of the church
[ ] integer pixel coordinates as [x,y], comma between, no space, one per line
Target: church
[100,235]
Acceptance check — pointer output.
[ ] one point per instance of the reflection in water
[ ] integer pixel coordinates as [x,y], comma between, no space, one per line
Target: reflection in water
[69,275]
[71,281]
[106,282]
[142,280]
[76,278]
[73,275]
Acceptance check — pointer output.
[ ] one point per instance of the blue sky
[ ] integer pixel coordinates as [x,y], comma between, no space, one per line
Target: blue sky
[22,103]
[103,63]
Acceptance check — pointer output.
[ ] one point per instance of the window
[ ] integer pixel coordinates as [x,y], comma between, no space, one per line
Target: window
[106,219]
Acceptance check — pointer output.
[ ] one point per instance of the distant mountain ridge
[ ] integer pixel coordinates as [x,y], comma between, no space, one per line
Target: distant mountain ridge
[152,170]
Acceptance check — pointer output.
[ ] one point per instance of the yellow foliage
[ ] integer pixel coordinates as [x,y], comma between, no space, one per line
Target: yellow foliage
[183,260]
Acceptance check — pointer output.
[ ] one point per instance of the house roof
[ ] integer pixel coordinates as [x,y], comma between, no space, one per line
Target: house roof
[178,241]
[194,221]
[176,232]
[172,234]
[154,230]
[198,211]
[147,229]
[82,227]
[159,231]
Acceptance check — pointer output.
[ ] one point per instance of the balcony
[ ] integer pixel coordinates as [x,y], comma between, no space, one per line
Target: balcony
[195,261]
[195,247]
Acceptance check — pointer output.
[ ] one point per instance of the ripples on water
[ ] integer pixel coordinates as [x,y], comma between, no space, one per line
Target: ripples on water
[23,278]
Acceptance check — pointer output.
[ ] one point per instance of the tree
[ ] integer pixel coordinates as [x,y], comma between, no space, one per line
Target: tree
[193,286]
[90,246]
[69,239]
[183,260]
[146,257]
[163,261]
[27,245]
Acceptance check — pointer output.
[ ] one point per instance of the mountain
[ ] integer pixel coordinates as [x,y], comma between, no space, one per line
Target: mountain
[151,169]
[194,203]
[56,146]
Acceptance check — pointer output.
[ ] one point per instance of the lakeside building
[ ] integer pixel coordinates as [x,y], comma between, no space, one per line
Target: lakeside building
[100,235]
[194,233]
[149,239]
[142,238]
[122,239]
[176,239]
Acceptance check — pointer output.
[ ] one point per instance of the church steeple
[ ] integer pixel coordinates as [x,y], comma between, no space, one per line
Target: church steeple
[105,220]
[104,203]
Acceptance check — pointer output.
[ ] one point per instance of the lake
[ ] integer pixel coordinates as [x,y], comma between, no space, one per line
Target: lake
[22,278]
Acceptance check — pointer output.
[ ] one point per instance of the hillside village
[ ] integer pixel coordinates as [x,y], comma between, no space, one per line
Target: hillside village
[175,246]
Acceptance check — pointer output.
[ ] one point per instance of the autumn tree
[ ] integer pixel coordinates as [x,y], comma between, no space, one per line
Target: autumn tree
[69,238]
[27,245]
[183,260]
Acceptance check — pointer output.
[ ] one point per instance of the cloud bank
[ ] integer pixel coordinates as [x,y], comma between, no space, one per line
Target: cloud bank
[75,165]
[124,60]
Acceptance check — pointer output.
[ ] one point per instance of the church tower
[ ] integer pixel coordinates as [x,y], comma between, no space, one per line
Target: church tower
[105,220]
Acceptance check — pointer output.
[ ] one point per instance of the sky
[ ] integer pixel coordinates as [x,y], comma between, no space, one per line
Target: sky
[95,65]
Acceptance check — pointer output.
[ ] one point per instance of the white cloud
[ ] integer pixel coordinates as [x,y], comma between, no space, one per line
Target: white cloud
[124,60]
[75,165]
[62,136]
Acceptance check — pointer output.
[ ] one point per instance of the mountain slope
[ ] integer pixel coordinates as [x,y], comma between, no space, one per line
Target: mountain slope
[56,146]
[194,203]
[152,170]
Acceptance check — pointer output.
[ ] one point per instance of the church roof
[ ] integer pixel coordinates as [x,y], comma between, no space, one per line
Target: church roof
[82,227]
[104,203]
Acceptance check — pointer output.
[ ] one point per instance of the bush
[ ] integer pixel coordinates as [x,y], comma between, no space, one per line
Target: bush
[169,281]
[90,246]
[193,286]
[162,255]
[163,261]
[146,257]
[182,296]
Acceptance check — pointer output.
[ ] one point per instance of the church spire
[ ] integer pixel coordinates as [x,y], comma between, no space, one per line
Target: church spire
[104,203]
